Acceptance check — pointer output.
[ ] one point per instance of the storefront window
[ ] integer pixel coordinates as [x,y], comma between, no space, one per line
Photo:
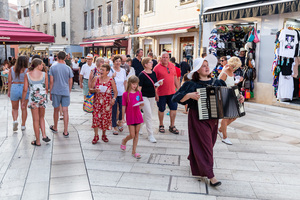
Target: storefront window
[123,51]
[165,47]
[115,50]
[147,49]
[108,52]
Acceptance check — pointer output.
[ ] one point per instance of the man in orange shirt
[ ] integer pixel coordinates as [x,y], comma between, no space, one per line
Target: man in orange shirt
[166,71]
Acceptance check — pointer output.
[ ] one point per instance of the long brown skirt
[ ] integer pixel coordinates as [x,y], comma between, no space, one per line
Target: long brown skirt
[202,137]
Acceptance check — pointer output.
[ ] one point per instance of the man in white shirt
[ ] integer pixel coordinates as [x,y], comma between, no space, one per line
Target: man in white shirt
[51,60]
[85,73]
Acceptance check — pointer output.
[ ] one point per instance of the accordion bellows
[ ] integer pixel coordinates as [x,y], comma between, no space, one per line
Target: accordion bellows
[219,102]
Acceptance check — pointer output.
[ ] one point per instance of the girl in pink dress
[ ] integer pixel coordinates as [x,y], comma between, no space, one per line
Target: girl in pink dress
[103,101]
[132,100]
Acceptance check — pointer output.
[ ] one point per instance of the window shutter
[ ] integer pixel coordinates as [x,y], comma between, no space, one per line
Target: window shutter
[63,29]
[146,5]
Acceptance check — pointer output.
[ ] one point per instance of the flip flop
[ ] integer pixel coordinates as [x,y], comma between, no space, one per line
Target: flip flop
[46,139]
[120,128]
[34,143]
[115,132]
[66,136]
[137,156]
[52,129]
[123,147]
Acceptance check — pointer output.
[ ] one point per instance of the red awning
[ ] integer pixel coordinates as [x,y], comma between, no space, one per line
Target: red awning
[163,31]
[14,33]
[100,43]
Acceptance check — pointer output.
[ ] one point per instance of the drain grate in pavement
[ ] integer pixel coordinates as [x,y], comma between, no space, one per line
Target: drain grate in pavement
[190,185]
[164,159]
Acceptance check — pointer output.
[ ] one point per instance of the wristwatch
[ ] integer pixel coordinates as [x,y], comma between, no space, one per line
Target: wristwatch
[114,98]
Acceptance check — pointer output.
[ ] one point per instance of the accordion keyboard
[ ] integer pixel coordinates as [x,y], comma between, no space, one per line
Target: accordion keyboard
[202,104]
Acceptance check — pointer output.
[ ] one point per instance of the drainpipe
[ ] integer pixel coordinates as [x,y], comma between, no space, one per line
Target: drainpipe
[132,29]
[200,28]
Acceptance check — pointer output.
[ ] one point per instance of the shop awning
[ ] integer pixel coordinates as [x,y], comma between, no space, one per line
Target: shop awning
[57,48]
[41,48]
[251,9]
[102,42]
[14,33]
[163,32]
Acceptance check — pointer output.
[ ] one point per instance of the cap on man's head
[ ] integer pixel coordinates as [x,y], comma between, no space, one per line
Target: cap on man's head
[242,49]
[89,56]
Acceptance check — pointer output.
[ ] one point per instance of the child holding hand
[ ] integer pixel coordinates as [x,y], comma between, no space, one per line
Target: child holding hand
[131,102]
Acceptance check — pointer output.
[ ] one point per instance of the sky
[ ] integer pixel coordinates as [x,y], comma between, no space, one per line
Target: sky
[13,1]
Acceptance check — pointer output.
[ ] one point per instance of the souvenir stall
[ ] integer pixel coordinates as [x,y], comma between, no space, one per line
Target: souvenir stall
[229,40]
[286,65]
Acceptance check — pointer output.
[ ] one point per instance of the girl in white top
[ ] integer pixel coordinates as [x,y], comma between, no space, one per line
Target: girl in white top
[227,75]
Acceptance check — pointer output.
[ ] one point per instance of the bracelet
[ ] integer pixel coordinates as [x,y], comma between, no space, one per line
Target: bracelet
[114,98]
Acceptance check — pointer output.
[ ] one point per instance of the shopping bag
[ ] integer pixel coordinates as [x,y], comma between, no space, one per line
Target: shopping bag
[88,103]
[256,40]
[251,36]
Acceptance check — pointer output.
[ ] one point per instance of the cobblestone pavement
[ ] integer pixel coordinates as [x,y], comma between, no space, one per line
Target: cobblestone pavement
[262,163]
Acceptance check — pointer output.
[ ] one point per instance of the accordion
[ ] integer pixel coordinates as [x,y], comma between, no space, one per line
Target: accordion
[219,102]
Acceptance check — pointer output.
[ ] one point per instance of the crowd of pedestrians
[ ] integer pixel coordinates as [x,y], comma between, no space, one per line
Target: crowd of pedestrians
[125,92]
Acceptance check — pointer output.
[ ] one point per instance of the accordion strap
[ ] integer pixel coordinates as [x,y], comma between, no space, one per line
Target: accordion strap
[213,82]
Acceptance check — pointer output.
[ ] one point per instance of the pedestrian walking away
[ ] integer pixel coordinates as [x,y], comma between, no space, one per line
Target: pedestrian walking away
[15,88]
[102,86]
[85,74]
[37,82]
[202,133]
[132,103]
[61,77]
[165,71]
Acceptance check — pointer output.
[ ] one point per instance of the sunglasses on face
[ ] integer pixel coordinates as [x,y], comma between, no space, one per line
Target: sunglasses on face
[222,60]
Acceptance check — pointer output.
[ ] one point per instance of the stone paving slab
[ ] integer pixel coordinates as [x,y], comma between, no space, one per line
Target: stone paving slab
[262,163]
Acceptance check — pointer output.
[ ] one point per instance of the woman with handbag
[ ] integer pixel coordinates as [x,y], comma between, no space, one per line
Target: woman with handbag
[227,75]
[102,86]
[146,86]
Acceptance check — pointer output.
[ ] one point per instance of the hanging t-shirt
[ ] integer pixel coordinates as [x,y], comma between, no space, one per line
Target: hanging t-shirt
[288,40]
[285,87]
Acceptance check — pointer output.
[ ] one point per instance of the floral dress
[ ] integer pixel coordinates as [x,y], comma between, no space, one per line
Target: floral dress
[38,94]
[102,110]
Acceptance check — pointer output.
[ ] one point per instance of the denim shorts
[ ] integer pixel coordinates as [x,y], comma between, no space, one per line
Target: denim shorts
[163,100]
[16,91]
[58,100]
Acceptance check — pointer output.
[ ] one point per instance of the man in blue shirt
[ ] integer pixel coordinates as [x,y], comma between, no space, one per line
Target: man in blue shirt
[60,87]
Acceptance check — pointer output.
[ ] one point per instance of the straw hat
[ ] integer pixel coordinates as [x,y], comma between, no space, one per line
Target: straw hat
[212,62]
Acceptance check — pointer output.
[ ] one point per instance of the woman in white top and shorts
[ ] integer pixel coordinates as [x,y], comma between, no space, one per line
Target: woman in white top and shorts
[227,75]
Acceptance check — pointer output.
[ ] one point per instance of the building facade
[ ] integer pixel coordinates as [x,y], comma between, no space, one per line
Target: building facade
[268,17]
[5,15]
[59,18]
[169,25]
[107,26]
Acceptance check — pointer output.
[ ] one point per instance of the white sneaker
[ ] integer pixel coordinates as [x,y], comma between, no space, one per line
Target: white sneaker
[23,128]
[220,134]
[151,139]
[15,125]
[227,141]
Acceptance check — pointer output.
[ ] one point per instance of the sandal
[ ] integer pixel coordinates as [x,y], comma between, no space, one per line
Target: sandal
[67,135]
[173,129]
[123,147]
[115,132]
[162,129]
[104,138]
[35,144]
[46,139]
[95,140]
[52,129]
[137,155]
[120,128]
